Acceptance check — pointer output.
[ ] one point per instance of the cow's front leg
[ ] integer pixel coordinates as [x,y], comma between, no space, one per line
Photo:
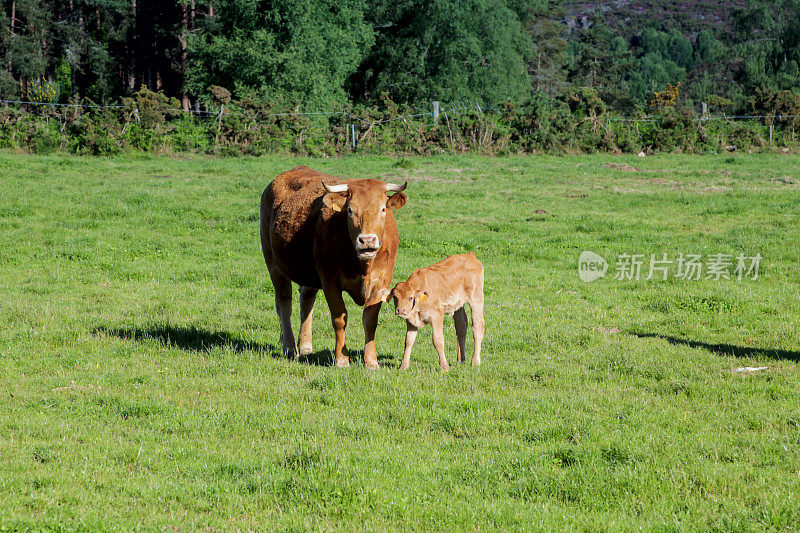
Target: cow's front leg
[370,321]
[339,320]
[438,341]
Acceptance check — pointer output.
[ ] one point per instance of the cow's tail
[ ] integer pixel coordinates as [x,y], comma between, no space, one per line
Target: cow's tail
[265,219]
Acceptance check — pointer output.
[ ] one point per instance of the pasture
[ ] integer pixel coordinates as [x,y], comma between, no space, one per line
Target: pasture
[143,386]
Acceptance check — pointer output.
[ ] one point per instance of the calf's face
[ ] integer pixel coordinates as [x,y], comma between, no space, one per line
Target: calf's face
[406,299]
[365,203]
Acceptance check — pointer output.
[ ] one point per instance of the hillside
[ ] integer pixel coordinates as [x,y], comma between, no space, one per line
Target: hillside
[628,17]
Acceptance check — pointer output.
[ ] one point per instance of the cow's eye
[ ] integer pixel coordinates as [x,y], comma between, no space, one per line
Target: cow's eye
[349,210]
[383,210]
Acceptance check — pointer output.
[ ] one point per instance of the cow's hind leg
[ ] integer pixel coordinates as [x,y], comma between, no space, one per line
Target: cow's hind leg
[460,319]
[283,304]
[307,297]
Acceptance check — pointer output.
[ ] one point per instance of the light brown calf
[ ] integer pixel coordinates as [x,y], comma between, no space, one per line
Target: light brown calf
[438,290]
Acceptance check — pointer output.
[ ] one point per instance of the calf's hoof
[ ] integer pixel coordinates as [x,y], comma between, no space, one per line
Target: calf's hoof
[371,366]
[306,350]
[343,362]
[445,368]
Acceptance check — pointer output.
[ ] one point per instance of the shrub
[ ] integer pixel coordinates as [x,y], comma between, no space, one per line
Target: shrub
[253,125]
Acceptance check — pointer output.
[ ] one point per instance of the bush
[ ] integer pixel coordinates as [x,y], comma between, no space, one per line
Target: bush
[577,122]
[43,139]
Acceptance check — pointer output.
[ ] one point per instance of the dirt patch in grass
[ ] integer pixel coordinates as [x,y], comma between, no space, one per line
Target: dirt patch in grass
[703,190]
[433,179]
[622,166]
[660,181]
[788,180]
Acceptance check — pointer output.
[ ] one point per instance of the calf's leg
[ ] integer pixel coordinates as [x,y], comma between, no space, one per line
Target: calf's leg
[477,328]
[411,336]
[460,319]
[438,341]
[307,297]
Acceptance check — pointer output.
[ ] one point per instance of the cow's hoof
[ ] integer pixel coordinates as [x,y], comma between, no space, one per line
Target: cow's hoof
[343,363]
[372,366]
[445,368]
[306,350]
[290,353]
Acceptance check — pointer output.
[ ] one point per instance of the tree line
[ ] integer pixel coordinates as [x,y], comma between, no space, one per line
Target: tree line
[326,54]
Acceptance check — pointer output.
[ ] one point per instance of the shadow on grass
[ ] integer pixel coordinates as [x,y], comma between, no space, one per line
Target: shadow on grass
[726,349]
[195,339]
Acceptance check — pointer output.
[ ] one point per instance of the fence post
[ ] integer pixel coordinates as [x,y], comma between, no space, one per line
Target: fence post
[353,134]
[770,134]
[435,112]
[219,122]
[704,110]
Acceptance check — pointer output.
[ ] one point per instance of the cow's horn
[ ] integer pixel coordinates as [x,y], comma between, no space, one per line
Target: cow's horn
[335,188]
[396,188]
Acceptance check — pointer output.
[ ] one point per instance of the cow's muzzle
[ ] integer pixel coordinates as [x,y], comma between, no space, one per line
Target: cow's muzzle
[367,246]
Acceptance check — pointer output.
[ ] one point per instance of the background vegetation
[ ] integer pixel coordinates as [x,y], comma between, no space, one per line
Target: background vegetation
[233,76]
[317,55]
[143,386]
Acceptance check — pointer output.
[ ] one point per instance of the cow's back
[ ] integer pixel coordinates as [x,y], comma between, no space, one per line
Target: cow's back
[290,207]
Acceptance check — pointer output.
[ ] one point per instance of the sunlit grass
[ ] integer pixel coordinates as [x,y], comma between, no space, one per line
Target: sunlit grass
[142,383]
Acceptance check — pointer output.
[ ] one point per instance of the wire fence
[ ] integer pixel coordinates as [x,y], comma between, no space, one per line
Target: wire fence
[365,125]
[474,107]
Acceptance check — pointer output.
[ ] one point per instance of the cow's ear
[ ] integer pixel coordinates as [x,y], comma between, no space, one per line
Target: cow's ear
[335,200]
[397,200]
[423,296]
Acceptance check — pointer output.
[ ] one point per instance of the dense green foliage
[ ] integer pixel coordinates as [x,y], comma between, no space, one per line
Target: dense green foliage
[321,55]
[451,50]
[143,388]
[300,51]
[577,121]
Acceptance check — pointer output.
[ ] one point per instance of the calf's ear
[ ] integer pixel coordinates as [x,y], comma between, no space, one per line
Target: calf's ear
[397,200]
[335,200]
[423,296]
[385,295]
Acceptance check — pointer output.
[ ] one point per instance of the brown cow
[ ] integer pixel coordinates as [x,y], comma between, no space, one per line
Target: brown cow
[325,233]
[438,290]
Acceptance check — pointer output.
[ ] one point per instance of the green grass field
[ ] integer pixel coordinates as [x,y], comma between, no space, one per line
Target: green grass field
[143,387]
